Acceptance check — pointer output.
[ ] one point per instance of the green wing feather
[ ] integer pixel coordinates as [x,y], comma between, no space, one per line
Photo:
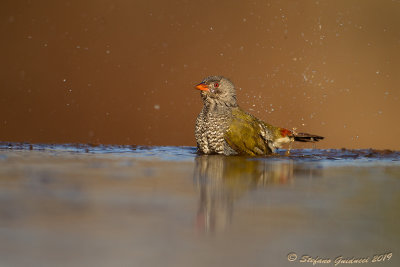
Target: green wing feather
[244,134]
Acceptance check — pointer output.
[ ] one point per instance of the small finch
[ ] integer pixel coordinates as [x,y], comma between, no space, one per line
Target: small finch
[222,127]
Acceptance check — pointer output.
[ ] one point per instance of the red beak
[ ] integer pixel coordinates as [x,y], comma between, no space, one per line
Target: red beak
[202,87]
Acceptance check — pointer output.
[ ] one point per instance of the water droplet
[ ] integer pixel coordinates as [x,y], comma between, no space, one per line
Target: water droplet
[156,107]
[108,52]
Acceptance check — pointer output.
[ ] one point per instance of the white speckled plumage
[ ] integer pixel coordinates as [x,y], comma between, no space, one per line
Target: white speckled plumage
[210,129]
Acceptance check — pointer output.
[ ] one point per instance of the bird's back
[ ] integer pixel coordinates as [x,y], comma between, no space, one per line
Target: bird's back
[247,134]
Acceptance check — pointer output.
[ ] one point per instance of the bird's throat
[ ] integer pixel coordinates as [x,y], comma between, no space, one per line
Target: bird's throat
[217,107]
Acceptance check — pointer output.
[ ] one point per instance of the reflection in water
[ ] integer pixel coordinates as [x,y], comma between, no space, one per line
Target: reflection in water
[222,180]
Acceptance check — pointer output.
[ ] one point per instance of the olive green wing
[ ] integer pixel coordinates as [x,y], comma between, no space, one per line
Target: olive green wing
[244,134]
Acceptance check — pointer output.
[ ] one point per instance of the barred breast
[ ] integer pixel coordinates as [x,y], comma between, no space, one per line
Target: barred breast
[209,133]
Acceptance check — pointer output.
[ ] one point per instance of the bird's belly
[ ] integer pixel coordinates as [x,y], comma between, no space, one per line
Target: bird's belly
[215,142]
[210,137]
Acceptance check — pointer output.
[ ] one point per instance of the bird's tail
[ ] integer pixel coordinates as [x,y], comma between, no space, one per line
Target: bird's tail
[305,137]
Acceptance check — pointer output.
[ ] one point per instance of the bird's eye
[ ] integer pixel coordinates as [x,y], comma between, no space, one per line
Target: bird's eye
[216,84]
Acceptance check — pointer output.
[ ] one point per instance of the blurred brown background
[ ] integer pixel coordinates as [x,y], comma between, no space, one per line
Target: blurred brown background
[122,72]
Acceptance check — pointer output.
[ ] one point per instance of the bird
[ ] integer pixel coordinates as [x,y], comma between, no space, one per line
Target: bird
[222,127]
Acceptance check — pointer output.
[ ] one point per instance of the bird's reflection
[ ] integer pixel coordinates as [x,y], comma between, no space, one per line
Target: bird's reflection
[222,180]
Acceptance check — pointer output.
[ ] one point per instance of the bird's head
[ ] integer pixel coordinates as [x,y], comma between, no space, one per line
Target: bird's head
[218,90]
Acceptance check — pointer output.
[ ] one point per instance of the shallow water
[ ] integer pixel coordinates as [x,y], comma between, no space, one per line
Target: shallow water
[85,205]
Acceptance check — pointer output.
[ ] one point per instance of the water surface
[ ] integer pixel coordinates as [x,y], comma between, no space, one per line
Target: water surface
[86,205]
